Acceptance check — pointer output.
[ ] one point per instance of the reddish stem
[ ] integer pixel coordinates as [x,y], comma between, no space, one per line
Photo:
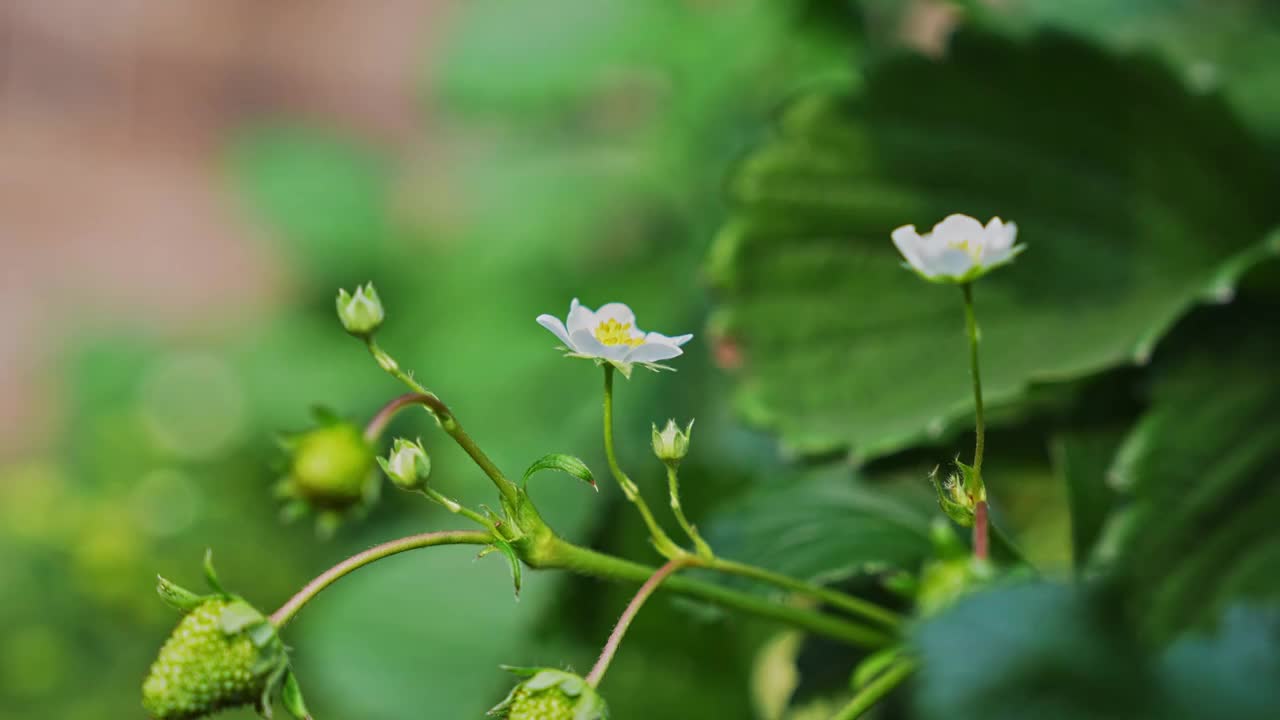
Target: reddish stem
[619,630]
[980,543]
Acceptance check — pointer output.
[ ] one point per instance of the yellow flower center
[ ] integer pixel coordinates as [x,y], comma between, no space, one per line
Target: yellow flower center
[972,248]
[612,332]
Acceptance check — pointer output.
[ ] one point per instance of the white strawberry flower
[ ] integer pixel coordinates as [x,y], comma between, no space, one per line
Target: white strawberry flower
[959,249]
[610,335]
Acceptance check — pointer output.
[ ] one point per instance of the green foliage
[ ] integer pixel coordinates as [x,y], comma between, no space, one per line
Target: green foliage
[1130,218]
[1061,653]
[825,527]
[1199,470]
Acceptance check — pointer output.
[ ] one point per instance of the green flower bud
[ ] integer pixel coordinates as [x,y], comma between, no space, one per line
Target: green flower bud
[550,694]
[330,467]
[361,312]
[671,444]
[407,465]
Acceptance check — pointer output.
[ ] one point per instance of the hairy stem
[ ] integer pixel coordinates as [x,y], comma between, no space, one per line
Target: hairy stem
[875,690]
[867,610]
[629,614]
[378,423]
[673,486]
[281,617]
[980,511]
[660,538]
[448,422]
[564,555]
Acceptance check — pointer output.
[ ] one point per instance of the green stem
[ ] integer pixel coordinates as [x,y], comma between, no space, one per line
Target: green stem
[566,556]
[458,508]
[869,611]
[281,617]
[661,540]
[980,541]
[673,485]
[875,690]
[629,614]
[448,422]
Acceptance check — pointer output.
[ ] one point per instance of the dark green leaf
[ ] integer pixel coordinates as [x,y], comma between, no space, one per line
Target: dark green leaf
[1201,472]
[1135,198]
[827,527]
[1082,459]
[564,463]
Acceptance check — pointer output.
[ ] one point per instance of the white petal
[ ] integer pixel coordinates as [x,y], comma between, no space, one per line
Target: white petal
[616,311]
[995,237]
[951,262]
[908,241]
[957,229]
[556,325]
[995,256]
[580,318]
[678,340]
[585,342]
[653,352]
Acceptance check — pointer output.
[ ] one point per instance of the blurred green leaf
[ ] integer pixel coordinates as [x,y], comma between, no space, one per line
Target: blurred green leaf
[1201,470]
[1059,652]
[325,195]
[1081,460]
[1135,198]
[827,527]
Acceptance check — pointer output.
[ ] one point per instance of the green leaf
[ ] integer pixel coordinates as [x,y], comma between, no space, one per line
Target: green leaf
[1199,471]
[1081,459]
[1135,198]
[564,463]
[291,698]
[1058,652]
[823,528]
[177,597]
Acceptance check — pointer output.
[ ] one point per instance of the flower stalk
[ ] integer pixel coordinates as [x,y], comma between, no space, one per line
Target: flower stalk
[979,489]
[673,485]
[624,621]
[874,691]
[661,540]
[287,611]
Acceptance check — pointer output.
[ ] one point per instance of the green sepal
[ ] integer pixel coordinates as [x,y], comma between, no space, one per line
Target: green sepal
[324,416]
[211,575]
[873,665]
[952,498]
[238,616]
[291,698]
[177,597]
[564,463]
[269,690]
[972,483]
[513,560]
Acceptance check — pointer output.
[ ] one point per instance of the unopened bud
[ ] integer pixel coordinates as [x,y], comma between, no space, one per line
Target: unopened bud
[671,443]
[408,464]
[361,312]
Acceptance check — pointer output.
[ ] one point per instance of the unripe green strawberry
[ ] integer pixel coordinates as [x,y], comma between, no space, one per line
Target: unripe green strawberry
[331,466]
[550,694]
[549,704]
[202,668]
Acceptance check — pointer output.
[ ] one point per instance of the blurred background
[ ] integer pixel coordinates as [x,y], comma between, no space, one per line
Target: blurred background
[185,185]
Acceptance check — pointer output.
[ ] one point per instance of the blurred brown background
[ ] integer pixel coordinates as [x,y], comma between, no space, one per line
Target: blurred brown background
[113,116]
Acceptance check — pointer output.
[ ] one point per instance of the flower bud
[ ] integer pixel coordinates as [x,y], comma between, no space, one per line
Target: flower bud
[361,312]
[407,465]
[551,695]
[671,443]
